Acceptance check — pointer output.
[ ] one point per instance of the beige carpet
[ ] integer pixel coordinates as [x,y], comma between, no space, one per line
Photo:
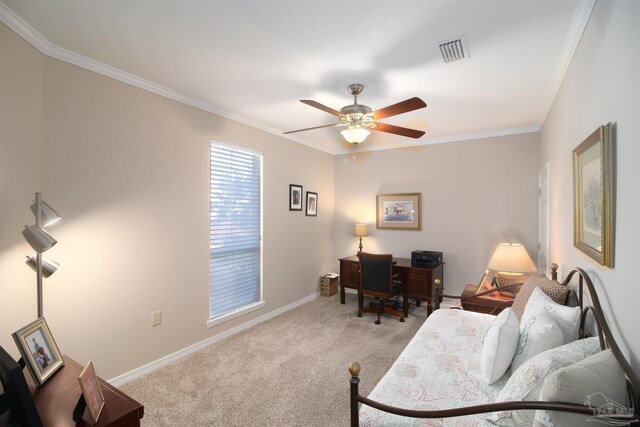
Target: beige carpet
[288,371]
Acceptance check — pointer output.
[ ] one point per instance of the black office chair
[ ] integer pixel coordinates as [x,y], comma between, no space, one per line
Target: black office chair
[377,280]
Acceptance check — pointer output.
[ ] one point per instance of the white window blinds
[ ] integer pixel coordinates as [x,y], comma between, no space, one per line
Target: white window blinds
[234,234]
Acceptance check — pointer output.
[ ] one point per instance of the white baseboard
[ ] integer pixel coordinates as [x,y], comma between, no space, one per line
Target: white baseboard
[138,372]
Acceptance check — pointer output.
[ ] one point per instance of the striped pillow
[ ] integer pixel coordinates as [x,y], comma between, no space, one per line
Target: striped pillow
[552,288]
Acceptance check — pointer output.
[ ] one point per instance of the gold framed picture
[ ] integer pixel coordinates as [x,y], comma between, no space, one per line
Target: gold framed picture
[91,391]
[39,350]
[399,211]
[593,198]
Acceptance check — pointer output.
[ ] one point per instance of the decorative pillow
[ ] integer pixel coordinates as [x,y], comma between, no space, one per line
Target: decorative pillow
[499,346]
[567,318]
[555,290]
[527,381]
[597,381]
[539,333]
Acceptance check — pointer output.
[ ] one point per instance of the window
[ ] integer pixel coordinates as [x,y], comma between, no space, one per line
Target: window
[235,249]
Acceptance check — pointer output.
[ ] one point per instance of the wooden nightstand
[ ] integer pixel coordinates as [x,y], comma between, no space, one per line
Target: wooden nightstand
[492,303]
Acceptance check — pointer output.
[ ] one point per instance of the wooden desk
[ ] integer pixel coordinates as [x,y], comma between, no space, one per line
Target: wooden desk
[56,399]
[419,282]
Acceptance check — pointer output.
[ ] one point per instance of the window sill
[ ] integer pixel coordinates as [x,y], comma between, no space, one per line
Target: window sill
[239,312]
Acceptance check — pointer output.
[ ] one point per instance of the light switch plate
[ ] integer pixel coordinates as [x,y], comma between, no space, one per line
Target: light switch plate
[156,318]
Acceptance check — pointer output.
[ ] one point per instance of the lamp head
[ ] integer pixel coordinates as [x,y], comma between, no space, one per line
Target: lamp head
[361,230]
[38,238]
[48,215]
[511,258]
[48,266]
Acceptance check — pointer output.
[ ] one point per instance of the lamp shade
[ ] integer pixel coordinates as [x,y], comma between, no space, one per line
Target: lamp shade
[361,230]
[38,238]
[48,266]
[48,215]
[511,258]
[355,134]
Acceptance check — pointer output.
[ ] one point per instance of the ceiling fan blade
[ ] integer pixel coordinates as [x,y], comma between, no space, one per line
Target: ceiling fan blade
[411,133]
[399,108]
[321,107]
[315,127]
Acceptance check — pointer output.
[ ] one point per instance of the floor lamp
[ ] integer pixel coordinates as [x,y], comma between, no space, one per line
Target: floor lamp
[41,241]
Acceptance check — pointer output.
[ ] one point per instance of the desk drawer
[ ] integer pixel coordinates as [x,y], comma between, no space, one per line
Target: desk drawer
[349,274]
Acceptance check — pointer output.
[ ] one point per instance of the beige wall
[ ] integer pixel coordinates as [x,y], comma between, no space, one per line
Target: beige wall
[129,172]
[602,85]
[21,79]
[475,194]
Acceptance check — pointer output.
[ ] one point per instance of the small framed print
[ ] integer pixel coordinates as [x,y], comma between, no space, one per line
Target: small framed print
[312,204]
[91,392]
[39,350]
[295,197]
[398,211]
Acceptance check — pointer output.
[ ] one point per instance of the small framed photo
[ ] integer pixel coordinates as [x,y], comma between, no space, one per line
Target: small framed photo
[91,391]
[398,211]
[39,350]
[593,198]
[295,197]
[312,204]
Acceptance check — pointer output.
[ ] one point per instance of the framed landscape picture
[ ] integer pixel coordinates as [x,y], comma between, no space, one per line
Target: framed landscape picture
[399,211]
[312,204]
[593,213]
[295,197]
[39,350]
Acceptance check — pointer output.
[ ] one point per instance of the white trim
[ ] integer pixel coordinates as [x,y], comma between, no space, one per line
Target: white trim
[448,138]
[145,369]
[17,24]
[43,45]
[237,313]
[578,24]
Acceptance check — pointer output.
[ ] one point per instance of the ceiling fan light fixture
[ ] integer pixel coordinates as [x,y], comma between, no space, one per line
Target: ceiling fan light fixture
[355,134]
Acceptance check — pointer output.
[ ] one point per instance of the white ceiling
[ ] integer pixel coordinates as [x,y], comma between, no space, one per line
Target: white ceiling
[253,60]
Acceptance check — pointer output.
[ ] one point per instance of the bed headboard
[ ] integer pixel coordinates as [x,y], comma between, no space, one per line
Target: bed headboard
[593,322]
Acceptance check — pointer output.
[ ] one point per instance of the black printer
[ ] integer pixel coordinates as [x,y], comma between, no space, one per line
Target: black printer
[426,258]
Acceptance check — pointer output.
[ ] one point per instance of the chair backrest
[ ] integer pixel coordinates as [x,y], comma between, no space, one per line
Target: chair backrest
[16,393]
[376,272]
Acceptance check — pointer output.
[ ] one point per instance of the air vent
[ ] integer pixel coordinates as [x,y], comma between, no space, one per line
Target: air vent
[454,50]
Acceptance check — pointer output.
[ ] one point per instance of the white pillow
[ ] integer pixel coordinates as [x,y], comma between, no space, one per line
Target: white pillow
[527,382]
[539,332]
[567,318]
[597,381]
[499,346]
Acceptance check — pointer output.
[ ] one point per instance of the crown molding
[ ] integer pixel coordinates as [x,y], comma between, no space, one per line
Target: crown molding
[24,30]
[579,23]
[448,138]
[17,24]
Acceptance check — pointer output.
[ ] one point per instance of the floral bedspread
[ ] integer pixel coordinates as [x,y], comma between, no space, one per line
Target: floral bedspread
[439,369]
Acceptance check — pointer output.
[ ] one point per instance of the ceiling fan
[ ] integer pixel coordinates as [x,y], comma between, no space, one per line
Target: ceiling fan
[360,118]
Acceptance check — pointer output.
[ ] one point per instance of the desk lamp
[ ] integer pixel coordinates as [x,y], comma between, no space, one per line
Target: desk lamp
[360,230]
[510,261]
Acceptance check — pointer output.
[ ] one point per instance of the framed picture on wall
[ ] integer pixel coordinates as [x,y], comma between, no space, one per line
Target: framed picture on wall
[295,197]
[312,204]
[399,211]
[593,198]
[39,350]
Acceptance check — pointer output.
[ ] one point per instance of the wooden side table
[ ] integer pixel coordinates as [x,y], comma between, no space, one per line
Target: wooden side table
[492,303]
[56,399]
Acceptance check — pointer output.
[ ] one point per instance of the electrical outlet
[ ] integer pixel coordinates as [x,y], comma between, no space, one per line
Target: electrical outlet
[156,318]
